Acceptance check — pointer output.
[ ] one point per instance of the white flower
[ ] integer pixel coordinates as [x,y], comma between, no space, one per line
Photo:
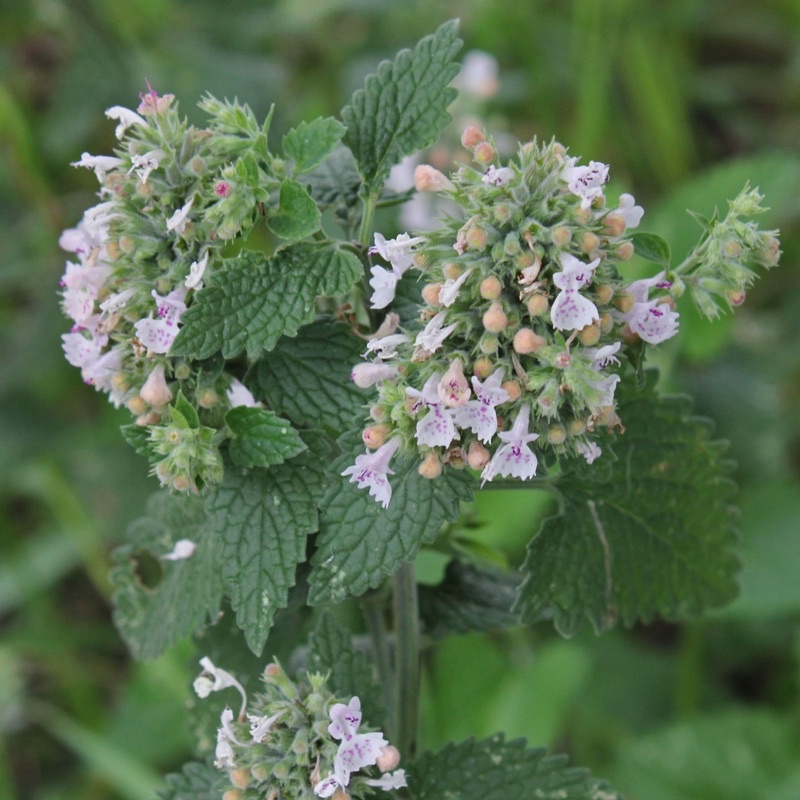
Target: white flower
[116,302]
[479,415]
[450,288]
[399,252]
[571,310]
[194,280]
[497,176]
[345,719]
[433,335]
[126,117]
[386,346]
[479,74]
[514,458]
[226,736]
[100,164]
[629,211]
[654,322]
[366,375]
[261,726]
[389,780]
[156,391]
[437,428]
[589,450]
[586,181]
[101,372]
[180,218]
[183,549]
[214,679]
[384,283]
[371,471]
[605,387]
[83,351]
[239,395]
[146,163]
[159,334]
[602,357]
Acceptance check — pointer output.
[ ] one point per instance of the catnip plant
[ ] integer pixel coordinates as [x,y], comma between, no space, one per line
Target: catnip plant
[318,399]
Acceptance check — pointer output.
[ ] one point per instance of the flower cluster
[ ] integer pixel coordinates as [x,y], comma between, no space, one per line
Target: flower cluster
[525,319]
[169,198]
[295,740]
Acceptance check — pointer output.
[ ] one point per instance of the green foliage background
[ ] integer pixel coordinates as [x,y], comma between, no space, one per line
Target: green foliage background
[686,100]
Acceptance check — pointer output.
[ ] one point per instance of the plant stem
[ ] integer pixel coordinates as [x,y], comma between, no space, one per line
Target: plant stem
[365,234]
[406,620]
[372,605]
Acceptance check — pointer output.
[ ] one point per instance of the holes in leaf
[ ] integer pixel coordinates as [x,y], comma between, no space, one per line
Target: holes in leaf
[147,569]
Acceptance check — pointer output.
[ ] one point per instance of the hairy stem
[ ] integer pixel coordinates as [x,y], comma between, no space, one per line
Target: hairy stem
[365,234]
[406,620]
[372,606]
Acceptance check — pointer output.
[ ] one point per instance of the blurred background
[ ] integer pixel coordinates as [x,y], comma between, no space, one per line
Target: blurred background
[686,100]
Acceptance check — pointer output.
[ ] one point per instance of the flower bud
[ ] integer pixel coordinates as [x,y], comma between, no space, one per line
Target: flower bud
[732,249]
[526,341]
[625,251]
[525,260]
[455,457]
[588,242]
[537,305]
[208,398]
[614,224]
[604,294]
[150,418]
[513,389]
[484,153]
[478,456]
[155,390]
[240,777]
[606,322]
[472,137]
[556,435]
[624,302]
[451,270]
[476,238]
[430,293]
[389,758]
[590,335]
[340,794]
[232,794]
[429,179]
[511,246]
[563,360]
[483,367]
[491,288]
[577,426]
[431,466]
[736,298]
[378,413]
[502,212]
[495,319]
[120,383]
[136,405]
[374,436]
[488,344]
[182,371]
[453,388]
[561,236]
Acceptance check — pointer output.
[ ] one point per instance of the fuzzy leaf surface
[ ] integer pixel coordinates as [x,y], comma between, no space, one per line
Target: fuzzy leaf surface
[178,597]
[253,301]
[652,247]
[261,438]
[470,598]
[331,650]
[311,142]
[262,519]
[298,215]
[403,106]
[308,377]
[360,542]
[654,538]
[196,781]
[494,769]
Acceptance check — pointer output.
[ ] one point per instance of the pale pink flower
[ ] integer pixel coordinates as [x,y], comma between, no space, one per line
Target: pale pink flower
[514,458]
[453,388]
[589,450]
[126,118]
[386,346]
[371,471]
[480,415]
[585,181]
[431,338]
[629,211]
[389,780]
[437,428]
[146,163]
[571,310]
[159,334]
[180,218]
[100,164]
[497,176]
[194,280]
[654,322]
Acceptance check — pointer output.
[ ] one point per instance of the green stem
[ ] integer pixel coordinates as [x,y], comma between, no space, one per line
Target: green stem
[365,234]
[406,620]
[372,606]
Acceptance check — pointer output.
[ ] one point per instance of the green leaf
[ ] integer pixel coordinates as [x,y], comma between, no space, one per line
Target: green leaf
[308,378]
[310,143]
[652,247]
[158,602]
[331,651]
[360,542]
[470,598]
[138,437]
[186,412]
[253,301]
[298,215]
[262,519]
[196,781]
[335,182]
[261,438]
[403,106]
[651,535]
[494,769]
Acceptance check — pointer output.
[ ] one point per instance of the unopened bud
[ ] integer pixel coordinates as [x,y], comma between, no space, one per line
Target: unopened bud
[453,388]
[495,319]
[120,383]
[511,245]
[491,288]
[526,341]
[614,224]
[472,137]
[484,153]
[513,389]
[736,298]
[561,236]
[155,391]
[590,335]
[136,405]
[374,436]
[208,398]
[389,758]
[563,360]
[476,238]
[732,248]
[502,212]
[624,302]
[478,456]
[577,426]
[455,457]
[431,466]
[232,794]
[378,413]
[430,293]
[429,179]
[604,292]
[489,344]
[606,322]
[588,242]
[451,270]
[537,305]
[150,418]
[240,777]
[625,251]
[483,367]
[556,435]
[525,260]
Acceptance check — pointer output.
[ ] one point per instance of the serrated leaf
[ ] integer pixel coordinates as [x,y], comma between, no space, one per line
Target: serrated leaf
[335,182]
[360,542]
[196,781]
[331,651]
[652,247]
[308,377]
[138,437]
[494,769]
[311,142]
[253,301]
[189,591]
[262,519]
[403,106]
[260,438]
[654,539]
[470,598]
[298,215]
[186,412]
